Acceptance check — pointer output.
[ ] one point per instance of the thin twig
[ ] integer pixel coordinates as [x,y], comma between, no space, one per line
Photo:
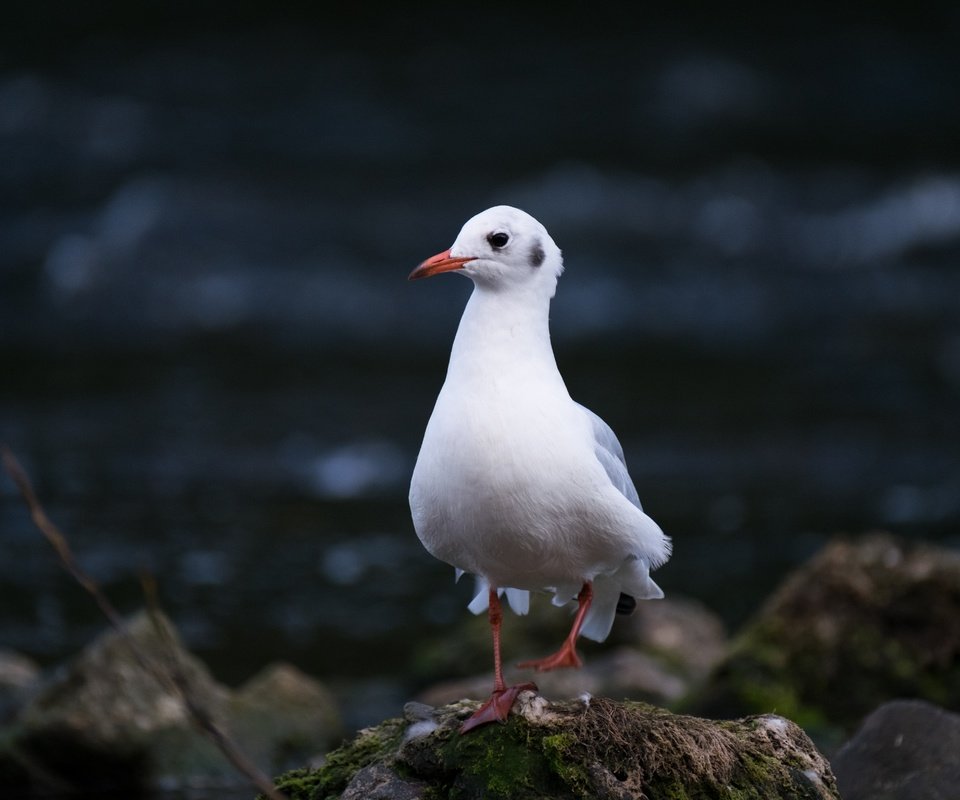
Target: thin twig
[170,678]
[198,712]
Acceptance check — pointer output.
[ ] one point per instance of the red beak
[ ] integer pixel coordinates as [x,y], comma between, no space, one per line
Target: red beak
[441,262]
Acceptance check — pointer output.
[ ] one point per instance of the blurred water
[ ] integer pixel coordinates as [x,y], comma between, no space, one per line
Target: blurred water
[214,369]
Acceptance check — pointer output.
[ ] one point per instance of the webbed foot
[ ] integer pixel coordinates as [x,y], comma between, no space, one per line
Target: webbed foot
[497,708]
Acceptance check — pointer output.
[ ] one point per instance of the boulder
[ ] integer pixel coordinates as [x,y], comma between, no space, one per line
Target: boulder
[282,715]
[591,748]
[103,723]
[905,750]
[864,621]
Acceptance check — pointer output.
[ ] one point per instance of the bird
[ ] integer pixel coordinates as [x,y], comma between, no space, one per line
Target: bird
[516,483]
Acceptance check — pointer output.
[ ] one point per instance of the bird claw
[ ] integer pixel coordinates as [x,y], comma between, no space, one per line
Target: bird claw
[497,708]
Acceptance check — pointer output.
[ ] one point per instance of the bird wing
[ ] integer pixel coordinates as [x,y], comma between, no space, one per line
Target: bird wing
[609,453]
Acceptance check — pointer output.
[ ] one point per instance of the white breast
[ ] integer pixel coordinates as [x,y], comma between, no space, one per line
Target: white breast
[507,486]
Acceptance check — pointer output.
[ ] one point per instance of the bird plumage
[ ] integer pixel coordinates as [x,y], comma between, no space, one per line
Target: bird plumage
[515,482]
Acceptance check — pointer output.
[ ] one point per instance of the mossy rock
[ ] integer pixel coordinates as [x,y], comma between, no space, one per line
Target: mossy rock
[103,723]
[568,751]
[864,621]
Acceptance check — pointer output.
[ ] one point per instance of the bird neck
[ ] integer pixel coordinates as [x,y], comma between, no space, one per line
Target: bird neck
[500,330]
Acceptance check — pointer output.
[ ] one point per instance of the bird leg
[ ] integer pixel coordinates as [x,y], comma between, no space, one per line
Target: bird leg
[566,656]
[497,708]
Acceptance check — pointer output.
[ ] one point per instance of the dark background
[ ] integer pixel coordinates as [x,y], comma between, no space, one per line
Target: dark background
[214,369]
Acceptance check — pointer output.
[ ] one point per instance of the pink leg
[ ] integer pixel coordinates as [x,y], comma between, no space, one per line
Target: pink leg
[567,656]
[497,708]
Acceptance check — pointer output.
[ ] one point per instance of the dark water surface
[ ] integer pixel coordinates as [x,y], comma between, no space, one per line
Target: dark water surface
[213,367]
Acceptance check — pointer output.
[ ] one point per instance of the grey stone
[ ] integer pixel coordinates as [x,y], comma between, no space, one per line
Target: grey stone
[379,782]
[905,750]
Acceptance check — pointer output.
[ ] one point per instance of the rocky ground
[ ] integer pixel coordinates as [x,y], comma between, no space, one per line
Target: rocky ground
[593,748]
[855,658]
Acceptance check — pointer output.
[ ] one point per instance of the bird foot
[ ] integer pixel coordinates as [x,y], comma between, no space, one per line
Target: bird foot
[566,656]
[497,708]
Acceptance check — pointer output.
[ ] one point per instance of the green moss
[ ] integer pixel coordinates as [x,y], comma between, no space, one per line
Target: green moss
[752,780]
[863,621]
[329,780]
[558,749]
[298,784]
[756,770]
[499,762]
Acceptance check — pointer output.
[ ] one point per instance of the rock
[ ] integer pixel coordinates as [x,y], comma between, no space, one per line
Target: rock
[905,750]
[103,723]
[601,749]
[660,653]
[678,631]
[862,622]
[280,715]
[379,782]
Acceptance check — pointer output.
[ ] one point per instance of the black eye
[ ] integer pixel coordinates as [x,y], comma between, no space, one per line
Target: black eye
[498,240]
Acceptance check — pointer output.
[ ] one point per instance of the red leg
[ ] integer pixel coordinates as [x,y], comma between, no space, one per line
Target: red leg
[567,656]
[497,708]
[495,612]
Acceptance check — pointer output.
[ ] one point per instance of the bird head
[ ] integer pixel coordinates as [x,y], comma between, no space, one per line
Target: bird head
[500,248]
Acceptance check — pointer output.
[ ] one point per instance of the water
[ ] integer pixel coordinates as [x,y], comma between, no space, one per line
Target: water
[215,371]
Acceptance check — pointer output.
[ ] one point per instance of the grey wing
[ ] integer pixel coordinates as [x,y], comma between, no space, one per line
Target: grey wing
[610,454]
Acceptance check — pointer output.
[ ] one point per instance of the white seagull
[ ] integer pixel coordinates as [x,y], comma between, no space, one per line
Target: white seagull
[516,483]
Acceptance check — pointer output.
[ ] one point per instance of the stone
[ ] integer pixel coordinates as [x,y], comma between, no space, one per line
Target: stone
[379,782]
[573,749]
[865,620]
[280,715]
[103,722]
[905,750]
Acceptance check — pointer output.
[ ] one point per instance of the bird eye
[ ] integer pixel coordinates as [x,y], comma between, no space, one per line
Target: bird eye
[498,240]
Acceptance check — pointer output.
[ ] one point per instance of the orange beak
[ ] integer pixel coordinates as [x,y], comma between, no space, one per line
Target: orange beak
[441,262]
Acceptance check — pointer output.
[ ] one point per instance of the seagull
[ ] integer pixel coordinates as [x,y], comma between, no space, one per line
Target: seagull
[516,483]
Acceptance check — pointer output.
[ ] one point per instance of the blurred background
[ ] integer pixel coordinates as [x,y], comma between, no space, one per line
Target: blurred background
[215,371]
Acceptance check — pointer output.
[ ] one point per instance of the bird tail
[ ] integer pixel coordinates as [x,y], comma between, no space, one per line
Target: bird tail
[633,579]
